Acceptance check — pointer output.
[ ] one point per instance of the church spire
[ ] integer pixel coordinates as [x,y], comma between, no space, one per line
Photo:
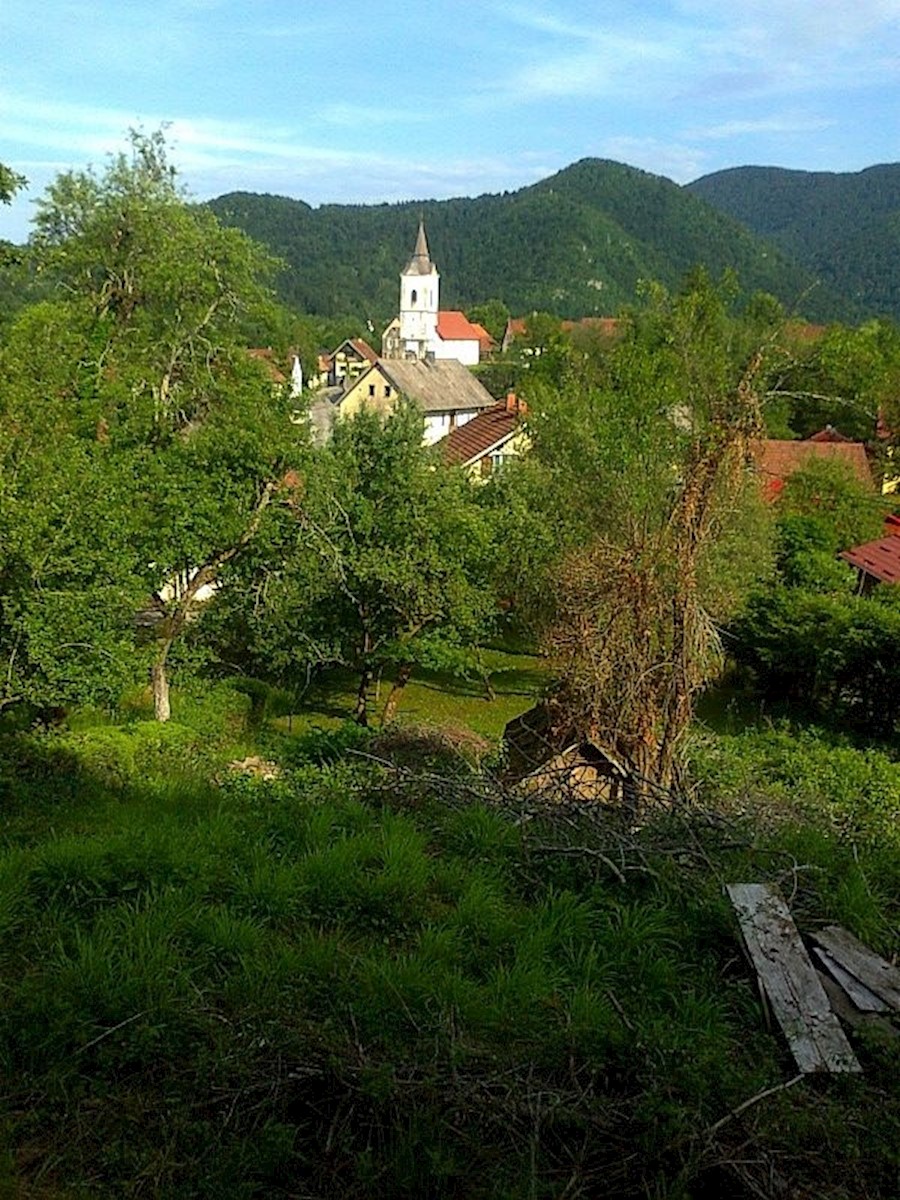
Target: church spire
[420,263]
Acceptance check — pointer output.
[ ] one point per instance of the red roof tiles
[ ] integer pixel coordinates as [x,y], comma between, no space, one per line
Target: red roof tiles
[779,459]
[455,326]
[469,442]
[880,559]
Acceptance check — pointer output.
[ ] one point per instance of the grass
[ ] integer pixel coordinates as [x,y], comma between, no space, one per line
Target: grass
[432,698]
[330,986]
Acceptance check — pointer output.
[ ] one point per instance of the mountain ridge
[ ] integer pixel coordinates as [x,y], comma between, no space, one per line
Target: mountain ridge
[575,244]
[843,226]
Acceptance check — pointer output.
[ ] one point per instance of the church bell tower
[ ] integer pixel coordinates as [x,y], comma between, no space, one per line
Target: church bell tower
[419,301]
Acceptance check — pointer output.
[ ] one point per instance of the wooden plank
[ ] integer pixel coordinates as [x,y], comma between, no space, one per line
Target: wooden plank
[790,981]
[862,998]
[874,972]
[873,1023]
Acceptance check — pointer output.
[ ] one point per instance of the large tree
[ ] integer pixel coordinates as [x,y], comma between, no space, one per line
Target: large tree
[645,468]
[142,446]
[383,562]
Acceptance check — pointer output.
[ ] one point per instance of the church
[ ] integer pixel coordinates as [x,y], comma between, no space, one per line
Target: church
[424,331]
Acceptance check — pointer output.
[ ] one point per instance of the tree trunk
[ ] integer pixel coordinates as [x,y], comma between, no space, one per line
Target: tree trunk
[361,712]
[160,684]
[404,672]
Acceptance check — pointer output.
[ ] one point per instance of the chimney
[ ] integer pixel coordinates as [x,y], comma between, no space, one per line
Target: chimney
[514,404]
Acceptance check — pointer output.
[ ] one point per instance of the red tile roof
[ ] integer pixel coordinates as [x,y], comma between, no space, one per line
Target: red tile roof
[881,559]
[455,326]
[469,442]
[779,459]
[364,349]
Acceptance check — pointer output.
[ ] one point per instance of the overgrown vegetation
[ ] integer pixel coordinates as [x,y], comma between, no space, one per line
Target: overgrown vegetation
[262,949]
[349,982]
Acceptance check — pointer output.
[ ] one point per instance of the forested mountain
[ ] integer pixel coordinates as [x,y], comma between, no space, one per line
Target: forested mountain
[574,244]
[845,228]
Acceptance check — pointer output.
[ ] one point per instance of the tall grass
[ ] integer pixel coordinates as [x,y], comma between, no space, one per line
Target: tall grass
[212,986]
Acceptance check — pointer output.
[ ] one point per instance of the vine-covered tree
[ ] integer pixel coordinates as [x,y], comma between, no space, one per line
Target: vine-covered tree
[646,471]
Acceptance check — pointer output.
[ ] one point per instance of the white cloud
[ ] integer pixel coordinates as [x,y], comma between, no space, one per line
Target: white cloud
[778,125]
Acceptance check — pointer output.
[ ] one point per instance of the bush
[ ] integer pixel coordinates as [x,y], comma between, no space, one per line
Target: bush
[838,656]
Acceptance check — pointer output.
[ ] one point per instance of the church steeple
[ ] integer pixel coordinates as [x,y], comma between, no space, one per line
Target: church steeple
[420,263]
[419,301]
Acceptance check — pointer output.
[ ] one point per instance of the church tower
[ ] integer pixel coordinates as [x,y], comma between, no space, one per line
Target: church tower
[419,302]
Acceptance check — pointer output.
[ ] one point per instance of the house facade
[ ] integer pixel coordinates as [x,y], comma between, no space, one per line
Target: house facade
[448,393]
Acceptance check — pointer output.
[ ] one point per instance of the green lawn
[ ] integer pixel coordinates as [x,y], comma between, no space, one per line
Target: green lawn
[432,698]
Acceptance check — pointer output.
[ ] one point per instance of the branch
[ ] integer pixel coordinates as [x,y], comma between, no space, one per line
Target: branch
[736,1112]
[208,571]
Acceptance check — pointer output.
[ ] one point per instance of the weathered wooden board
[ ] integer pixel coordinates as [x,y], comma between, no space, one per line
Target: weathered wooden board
[872,971]
[790,981]
[872,1022]
[864,1000]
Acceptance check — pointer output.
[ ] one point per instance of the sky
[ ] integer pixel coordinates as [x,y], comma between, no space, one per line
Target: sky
[359,101]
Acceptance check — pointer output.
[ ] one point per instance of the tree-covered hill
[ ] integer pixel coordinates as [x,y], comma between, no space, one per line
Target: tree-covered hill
[574,244]
[843,227]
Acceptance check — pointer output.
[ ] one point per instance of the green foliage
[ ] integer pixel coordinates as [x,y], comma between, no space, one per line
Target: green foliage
[656,528]
[823,509]
[840,226]
[10,182]
[137,438]
[385,560]
[493,315]
[576,244]
[834,654]
[848,378]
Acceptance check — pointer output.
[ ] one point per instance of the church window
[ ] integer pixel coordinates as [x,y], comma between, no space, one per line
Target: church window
[414,296]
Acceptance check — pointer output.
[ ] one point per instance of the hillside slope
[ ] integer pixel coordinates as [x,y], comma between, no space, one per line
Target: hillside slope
[845,228]
[574,244]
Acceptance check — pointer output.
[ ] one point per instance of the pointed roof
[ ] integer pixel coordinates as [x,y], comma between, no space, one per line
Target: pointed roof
[420,263]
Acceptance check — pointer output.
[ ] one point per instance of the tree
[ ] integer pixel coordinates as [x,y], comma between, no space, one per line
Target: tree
[849,378]
[645,467]
[383,562]
[493,315]
[10,183]
[133,390]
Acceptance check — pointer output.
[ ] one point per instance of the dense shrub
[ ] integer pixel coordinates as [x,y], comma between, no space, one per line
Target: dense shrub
[838,655]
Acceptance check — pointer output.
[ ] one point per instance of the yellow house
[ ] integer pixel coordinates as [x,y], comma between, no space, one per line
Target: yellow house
[446,391]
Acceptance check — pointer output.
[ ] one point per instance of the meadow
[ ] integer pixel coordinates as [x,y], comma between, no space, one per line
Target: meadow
[374,976]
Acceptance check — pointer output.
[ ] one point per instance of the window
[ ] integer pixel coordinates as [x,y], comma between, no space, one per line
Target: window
[414,295]
[387,389]
[371,389]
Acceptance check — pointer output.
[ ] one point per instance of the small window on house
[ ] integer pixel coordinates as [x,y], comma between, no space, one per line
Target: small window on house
[387,389]
[414,295]
[371,389]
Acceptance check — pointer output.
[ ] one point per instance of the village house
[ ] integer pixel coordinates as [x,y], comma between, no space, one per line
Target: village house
[448,393]
[489,440]
[346,363]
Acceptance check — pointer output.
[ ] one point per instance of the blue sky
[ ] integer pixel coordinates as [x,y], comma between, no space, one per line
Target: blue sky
[366,100]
